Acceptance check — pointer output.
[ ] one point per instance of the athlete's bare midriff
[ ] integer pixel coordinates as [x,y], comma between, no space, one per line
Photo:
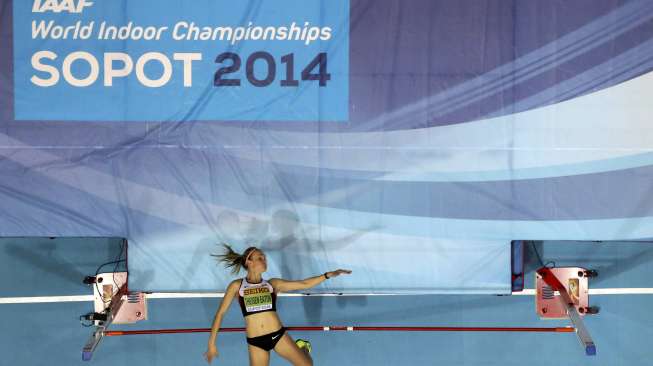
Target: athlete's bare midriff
[262,323]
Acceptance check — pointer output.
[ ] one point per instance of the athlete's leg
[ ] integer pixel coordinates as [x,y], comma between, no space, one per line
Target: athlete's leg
[258,356]
[287,349]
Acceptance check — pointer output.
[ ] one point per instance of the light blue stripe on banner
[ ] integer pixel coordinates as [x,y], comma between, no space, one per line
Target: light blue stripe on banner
[608,229]
[599,166]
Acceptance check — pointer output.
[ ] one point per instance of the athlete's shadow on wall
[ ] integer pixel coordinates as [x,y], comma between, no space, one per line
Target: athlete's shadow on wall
[299,252]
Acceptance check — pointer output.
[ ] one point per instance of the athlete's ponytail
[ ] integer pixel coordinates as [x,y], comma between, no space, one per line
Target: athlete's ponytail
[232,259]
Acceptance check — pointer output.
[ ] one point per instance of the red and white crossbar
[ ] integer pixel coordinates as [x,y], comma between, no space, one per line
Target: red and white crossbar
[350,329]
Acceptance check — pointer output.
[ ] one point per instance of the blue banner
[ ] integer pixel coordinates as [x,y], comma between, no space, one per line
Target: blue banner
[166,60]
[410,141]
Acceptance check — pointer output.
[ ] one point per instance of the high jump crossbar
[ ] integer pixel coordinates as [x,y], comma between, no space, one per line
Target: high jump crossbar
[351,329]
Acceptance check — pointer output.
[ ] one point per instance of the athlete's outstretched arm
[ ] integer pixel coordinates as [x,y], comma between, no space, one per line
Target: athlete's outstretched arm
[281,285]
[232,291]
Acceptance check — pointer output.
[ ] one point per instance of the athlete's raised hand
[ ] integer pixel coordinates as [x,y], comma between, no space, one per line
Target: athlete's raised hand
[337,273]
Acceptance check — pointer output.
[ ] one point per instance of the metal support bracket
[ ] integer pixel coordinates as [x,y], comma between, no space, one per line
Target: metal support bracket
[570,305]
[114,304]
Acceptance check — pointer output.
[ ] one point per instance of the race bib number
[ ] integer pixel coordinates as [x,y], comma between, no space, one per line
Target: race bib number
[257,299]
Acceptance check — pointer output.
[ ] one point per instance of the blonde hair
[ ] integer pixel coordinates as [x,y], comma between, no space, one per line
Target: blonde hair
[233,259]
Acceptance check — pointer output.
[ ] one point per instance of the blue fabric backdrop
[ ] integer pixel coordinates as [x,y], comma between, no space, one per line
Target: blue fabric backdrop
[410,141]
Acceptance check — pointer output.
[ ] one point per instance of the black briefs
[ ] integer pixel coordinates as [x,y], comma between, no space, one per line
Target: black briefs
[268,341]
